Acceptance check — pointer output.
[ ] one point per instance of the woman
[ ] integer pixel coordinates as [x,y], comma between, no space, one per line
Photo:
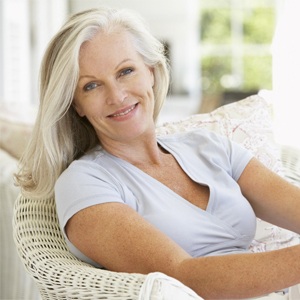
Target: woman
[185,205]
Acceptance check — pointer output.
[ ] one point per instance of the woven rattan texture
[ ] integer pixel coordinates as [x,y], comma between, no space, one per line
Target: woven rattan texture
[57,273]
[290,157]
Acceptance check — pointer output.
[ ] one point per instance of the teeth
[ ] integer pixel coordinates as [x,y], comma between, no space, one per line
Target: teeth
[125,112]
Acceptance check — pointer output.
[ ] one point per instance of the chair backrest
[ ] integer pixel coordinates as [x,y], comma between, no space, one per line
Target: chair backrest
[57,273]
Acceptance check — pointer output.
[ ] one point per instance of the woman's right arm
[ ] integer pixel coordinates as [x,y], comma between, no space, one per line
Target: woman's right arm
[115,236]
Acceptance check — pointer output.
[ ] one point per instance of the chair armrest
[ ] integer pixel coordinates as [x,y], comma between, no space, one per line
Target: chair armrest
[290,157]
[56,271]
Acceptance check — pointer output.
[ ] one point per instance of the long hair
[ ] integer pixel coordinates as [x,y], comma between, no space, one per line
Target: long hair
[60,135]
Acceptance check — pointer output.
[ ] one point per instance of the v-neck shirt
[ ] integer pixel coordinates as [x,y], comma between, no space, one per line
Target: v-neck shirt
[228,223]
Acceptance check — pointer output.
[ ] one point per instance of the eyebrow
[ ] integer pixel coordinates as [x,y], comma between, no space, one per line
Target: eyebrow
[117,66]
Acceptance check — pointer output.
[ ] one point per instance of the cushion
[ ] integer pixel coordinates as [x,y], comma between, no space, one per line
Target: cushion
[15,129]
[248,122]
[158,286]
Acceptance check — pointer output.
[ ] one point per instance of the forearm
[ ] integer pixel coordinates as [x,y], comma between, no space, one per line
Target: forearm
[241,275]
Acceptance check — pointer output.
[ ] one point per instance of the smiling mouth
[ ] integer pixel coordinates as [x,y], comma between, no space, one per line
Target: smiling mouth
[124,112]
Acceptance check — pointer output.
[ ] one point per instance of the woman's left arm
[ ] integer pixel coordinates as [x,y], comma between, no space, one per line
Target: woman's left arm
[273,198]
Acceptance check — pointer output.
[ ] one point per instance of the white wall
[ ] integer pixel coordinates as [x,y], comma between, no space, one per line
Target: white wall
[15,51]
[46,17]
[26,27]
[286,79]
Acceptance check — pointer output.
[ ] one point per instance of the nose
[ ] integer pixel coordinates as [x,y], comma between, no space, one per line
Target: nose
[116,93]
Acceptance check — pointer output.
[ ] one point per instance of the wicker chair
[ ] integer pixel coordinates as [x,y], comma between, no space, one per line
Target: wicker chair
[60,275]
[290,157]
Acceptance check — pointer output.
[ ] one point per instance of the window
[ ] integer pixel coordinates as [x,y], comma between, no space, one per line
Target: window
[235,48]
[27,28]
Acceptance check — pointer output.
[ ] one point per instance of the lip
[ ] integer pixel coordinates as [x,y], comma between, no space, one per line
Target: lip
[123,112]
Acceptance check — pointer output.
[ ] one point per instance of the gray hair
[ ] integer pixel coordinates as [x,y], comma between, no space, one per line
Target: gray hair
[60,135]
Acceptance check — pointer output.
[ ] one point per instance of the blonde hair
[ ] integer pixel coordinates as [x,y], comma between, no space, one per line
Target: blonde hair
[60,135]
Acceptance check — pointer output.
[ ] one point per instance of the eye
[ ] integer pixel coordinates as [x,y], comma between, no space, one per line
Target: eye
[90,86]
[126,71]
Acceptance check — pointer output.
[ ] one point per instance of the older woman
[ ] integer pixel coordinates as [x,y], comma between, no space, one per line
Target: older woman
[184,204]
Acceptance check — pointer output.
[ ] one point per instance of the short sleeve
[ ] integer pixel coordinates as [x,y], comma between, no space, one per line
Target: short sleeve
[201,149]
[84,184]
[239,158]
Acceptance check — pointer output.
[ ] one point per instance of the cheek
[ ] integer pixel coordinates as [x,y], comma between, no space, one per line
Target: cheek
[78,109]
[88,106]
[145,84]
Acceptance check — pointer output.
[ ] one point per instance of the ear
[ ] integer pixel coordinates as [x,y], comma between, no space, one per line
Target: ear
[78,109]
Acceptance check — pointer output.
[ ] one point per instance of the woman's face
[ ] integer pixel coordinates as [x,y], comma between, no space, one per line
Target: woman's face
[114,91]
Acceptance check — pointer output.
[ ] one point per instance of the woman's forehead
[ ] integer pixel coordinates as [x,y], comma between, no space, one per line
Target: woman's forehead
[107,51]
[106,44]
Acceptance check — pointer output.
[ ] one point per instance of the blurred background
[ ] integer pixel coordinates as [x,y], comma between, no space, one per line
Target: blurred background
[220,51]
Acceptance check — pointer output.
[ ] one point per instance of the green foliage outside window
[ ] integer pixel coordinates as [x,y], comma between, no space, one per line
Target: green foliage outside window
[254,58]
[257,73]
[215,26]
[259,26]
[213,68]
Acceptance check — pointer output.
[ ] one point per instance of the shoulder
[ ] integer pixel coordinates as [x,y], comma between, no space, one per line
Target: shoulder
[212,148]
[196,137]
[92,155]
[94,165]
[84,183]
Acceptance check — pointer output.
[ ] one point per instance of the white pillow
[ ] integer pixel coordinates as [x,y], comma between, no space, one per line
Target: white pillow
[16,123]
[248,122]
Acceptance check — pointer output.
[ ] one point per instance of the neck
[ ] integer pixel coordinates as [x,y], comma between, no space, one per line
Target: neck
[141,151]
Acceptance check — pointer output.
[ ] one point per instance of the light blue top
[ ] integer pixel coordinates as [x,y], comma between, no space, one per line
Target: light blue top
[226,226]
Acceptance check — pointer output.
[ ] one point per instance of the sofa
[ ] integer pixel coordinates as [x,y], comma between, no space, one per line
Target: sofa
[248,122]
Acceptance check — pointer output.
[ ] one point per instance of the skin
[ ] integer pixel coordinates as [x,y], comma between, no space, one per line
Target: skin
[117,81]
[115,94]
